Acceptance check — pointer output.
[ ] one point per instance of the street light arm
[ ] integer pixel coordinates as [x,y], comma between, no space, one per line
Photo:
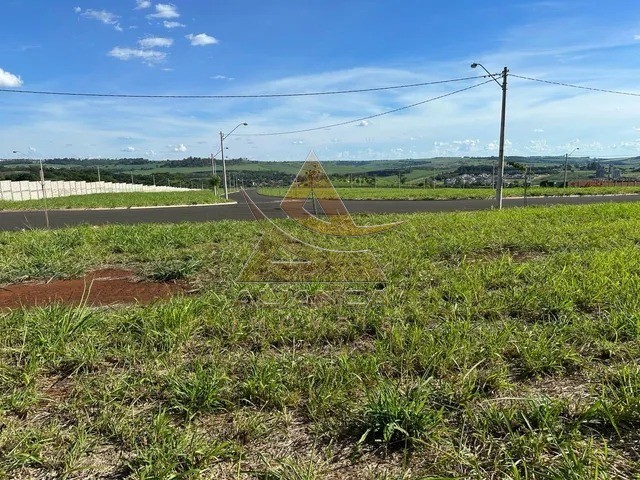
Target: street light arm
[474,65]
[239,125]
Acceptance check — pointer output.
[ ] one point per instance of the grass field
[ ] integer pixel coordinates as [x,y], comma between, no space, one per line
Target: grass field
[113,200]
[505,345]
[370,193]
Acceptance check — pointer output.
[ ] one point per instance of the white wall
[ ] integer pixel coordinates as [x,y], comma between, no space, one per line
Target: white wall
[57,188]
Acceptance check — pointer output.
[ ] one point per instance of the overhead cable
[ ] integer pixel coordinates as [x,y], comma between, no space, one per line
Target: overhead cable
[603,90]
[262,95]
[362,118]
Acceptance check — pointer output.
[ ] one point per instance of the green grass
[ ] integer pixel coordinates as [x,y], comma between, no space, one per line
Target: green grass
[113,200]
[505,345]
[370,193]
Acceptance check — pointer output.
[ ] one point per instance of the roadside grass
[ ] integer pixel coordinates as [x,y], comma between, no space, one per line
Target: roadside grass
[505,345]
[116,200]
[448,193]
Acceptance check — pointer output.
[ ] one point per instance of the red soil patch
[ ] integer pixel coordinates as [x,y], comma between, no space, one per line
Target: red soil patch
[102,287]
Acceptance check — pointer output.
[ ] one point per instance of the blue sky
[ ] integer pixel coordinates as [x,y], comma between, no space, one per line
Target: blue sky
[277,46]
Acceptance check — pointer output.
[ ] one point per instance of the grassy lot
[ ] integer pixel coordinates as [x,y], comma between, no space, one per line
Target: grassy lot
[370,193]
[112,200]
[506,345]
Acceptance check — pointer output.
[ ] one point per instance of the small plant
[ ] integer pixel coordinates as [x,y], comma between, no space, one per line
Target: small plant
[291,468]
[167,451]
[202,389]
[265,385]
[171,270]
[619,402]
[400,418]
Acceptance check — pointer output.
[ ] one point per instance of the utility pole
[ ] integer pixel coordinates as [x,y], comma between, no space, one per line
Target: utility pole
[505,72]
[493,174]
[503,86]
[98,172]
[525,185]
[566,162]
[44,194]
[224,166]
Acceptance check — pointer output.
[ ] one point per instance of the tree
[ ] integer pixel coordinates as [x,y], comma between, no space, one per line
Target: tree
[214,183]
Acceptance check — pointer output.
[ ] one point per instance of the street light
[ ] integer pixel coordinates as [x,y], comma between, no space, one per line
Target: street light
[503,86]
[566,161]
[224,165]
[213,168]
[44,193]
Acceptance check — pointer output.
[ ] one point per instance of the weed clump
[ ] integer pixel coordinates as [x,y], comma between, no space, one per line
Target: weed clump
[396,417]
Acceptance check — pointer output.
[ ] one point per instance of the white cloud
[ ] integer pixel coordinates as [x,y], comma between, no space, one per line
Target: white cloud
[221,77]
[168,24]
[636,37]
[149,56]
[363,123]
[201,39]
[8,79]
[178,148]
[538,130]
[298,142]
[105,17]
[129,149]
[165,10]
[153,42]
[140,4]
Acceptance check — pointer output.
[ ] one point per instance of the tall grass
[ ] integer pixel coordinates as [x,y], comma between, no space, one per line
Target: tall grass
[504,346]
[451,193]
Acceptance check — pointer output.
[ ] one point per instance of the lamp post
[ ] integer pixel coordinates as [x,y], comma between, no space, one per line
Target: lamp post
[44,193]
[503,86]
[566,161]
[224,165]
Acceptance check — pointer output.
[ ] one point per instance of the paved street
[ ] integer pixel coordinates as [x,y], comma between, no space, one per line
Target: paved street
[270,206]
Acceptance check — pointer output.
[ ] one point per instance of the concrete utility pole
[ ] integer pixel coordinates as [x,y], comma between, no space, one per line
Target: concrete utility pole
[566,161]
[44,193]
[503,86]
[224,165]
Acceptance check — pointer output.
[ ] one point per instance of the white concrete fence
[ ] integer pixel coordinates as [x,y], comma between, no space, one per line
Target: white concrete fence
[33,190]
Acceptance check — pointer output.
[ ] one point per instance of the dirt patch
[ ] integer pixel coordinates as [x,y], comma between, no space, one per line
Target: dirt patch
[98,288]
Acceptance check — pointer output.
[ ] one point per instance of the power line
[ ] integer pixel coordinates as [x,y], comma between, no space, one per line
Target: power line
[603,90]
[363,118]
[263,95]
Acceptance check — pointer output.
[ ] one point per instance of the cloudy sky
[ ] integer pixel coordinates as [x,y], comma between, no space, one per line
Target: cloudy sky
[281,46]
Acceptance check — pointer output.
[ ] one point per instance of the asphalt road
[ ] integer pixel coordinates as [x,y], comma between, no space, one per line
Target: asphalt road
[270,206]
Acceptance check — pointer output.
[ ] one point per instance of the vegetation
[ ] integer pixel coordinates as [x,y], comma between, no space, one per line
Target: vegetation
[115,200]
[505,345]
[408,193]
[195,171]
